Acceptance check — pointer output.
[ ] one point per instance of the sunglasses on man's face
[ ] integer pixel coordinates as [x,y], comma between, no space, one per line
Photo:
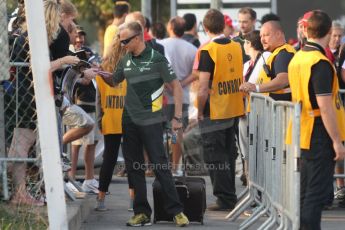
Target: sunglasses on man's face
[128,40]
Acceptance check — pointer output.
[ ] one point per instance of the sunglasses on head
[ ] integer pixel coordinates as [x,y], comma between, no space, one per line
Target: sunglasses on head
[128,40]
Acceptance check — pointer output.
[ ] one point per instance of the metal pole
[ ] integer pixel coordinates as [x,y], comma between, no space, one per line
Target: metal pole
[46,115]
[274,6]
[216,4]
[173,8]
[3,164]
[4,62]
[146,8]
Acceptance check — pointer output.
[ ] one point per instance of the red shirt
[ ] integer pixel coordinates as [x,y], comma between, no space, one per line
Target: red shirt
[330,55]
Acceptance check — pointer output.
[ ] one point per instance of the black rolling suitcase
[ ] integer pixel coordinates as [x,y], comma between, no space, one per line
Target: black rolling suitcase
[192,194]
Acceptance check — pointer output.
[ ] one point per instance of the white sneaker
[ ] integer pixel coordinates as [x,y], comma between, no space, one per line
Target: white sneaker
[89,187]
[71,187]
[177,173]
[78,194]
[95,183]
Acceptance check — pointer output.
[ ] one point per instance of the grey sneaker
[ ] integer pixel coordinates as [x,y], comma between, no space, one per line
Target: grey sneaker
[100,205]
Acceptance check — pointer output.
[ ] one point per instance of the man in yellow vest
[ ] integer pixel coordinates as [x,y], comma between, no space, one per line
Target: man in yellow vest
[219,102]
[314,85]
[273,78]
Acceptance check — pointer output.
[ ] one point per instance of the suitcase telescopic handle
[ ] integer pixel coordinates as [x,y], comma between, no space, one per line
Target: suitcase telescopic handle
[182,155]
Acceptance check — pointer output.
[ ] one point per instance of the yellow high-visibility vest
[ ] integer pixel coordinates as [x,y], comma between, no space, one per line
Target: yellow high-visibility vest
[112,103]
[263,78]
[299,76]
[226,100]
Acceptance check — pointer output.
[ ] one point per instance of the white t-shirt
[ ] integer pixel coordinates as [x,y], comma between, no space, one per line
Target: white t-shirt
[180,55]
[258,66]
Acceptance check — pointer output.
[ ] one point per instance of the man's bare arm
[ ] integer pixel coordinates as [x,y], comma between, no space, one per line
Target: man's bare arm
[177,93]
[204,78]
[279,82]
[329,120]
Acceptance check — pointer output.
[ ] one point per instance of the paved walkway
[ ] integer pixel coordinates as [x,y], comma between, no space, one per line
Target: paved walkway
[117,215]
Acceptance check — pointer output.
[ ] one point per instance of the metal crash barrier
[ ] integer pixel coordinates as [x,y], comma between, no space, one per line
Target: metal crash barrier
[273,172]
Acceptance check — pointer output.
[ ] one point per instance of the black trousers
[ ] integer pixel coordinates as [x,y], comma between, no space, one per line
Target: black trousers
[111,151]
[135,137]
[218,138]
[317,169]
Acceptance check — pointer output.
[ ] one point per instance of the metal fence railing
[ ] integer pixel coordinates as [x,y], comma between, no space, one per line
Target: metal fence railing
[16,97]
[273,172]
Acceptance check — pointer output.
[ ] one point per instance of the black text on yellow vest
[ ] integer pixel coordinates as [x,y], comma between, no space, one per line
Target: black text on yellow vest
[226,101]
[112,103]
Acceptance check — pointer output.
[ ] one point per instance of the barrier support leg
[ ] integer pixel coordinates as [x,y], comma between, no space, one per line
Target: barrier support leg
[282,223]
[274,221]
[243,193]
[253,218]
[241,207]
[269,221]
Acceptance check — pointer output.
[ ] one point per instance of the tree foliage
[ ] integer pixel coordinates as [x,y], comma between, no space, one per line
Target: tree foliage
[99,12]
[11,5]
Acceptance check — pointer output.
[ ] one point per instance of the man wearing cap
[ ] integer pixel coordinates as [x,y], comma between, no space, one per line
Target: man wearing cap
[301,38]
[314,85]
[228,27]
[80,43]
